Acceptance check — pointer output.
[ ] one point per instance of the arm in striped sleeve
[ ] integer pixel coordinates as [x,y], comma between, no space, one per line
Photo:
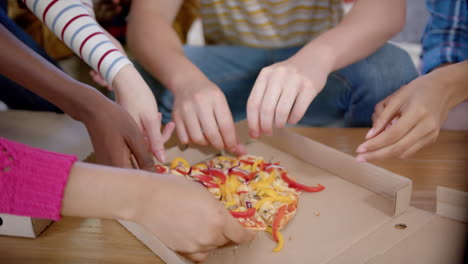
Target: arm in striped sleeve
[73,22]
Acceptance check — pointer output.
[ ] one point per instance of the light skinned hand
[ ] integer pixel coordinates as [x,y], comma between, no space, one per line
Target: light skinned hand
[188,219]
[202,116]
[136,97]
[282,93]
[407,120]
[180,212]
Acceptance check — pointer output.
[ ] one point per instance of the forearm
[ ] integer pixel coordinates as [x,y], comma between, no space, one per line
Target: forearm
[157,47]
[44,79]
[71,21]
[103,192]
[363,30]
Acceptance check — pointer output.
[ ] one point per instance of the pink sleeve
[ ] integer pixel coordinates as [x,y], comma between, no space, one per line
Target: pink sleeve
[32,181]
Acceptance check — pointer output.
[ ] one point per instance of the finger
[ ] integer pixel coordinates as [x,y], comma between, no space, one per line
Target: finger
[303,100]
[167,131]
[139,149]
[194,130]
[425,141]
[391,109]
[254,101]
[394,133]
[270,100]
[97,78]
[419,132]
[197,257]
[379,108]
[286,101]
[235,232]
[226,126]
[181,130]
[210,127]
[152,127]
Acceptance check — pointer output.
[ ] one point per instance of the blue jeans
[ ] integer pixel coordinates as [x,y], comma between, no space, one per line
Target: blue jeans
[12,94]
[348,98]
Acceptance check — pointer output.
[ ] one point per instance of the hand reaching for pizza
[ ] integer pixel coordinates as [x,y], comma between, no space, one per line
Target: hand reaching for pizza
[187,219]
[202,116]
[282,94]
[135,96]
[411,118]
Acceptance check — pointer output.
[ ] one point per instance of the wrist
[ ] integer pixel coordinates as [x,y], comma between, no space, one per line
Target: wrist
[104,192]
[316,54]
[452,78]
[83,104]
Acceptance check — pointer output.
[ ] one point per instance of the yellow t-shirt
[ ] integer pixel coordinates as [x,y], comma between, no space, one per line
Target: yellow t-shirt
[267,23]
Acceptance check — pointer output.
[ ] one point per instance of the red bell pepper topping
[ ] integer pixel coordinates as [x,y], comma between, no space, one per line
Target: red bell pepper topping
[245,214]
[299,186]
[241,192]
[239,173]
[248,162]
[261,166]
[181,172]
[277,221]
[206,180]
[244,175]
[159,169]
[216,173]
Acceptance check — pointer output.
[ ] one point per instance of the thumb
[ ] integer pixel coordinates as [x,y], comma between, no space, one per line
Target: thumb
[138,148]
[237,233]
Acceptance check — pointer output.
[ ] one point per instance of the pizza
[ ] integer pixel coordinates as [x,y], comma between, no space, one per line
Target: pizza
[261,195]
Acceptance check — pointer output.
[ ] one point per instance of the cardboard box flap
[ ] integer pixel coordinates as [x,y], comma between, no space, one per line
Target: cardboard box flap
[416,236]
[390,185]
[452,204]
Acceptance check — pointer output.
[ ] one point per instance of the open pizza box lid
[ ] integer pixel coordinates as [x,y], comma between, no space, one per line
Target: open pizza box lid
[363,215]
[50,131]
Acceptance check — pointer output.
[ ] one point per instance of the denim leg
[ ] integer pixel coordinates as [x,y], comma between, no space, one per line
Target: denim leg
[350,94]
[13,94]
[233,69]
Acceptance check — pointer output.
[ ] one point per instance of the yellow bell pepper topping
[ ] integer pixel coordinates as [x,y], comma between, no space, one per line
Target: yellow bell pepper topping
[280,243]
[246,167]
[179,161]
[224,158]
[234,183]
[255,165]
[268,192]
[226,189]
[279,198]
[230,203]
[200,166]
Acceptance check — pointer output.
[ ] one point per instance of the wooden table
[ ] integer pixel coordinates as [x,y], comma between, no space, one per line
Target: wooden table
[77,240]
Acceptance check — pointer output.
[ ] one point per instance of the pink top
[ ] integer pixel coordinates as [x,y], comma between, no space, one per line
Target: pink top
[32,181]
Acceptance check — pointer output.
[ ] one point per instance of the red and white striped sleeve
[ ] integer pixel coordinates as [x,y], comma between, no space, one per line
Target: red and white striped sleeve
[89,5]
[73,22]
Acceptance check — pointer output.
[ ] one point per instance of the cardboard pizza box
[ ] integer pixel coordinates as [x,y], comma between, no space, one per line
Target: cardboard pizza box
[363,215]
[50,131]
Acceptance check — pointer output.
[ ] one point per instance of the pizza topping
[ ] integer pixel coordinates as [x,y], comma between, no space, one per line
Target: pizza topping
[277,221]
[280,241]
[244,214]
[299,186]
[216,173]
[179,161]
